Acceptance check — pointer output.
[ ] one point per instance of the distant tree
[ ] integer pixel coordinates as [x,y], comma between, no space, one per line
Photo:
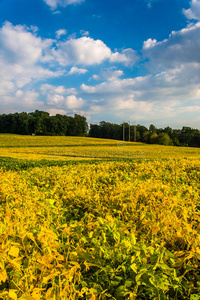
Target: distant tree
[169,131]
[80,125]
[153,138]
[141,129]
[175,137]
[164,139]
[152,128]
[146,137]
[138,136]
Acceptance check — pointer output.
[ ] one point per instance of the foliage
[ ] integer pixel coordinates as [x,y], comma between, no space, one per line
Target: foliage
[167,136]
[126,229]
[41,123]
[164,139]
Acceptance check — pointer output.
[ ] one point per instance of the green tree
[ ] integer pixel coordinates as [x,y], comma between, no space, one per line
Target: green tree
[152,128]
[164,139]
[146,137]
[153,138]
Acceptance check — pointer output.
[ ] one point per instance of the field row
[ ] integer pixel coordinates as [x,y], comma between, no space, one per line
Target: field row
[75,148]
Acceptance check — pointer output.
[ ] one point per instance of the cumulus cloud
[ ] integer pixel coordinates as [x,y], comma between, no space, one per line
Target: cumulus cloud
[6,87]
[60,32]
[128,57]
[149,43]
[74,103]
[53,4]
[84,50]
[87,51]
[19,45]
[51,89]
[75,70]
[150,96]
[181,47]
[146,99]
[55,99]
[56,95]
[19,100]
[111,75]
[116,86]
[22,54]
[194,11]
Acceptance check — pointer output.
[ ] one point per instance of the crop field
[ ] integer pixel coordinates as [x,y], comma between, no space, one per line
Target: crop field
[91,219]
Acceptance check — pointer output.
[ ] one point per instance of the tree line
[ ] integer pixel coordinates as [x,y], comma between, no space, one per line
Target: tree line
[41,123]
[186,136]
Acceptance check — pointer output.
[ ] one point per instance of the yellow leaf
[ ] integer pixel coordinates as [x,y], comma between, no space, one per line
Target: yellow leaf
[12,294]
[179,234]
[151,249]
[14,251]
[3,276]
[48,294]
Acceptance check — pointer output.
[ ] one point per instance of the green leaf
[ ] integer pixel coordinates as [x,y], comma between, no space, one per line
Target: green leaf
[194,297]
[121,291]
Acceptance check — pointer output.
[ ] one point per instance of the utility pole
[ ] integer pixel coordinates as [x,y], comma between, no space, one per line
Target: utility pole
[129,130]
[123,131]
[134,132]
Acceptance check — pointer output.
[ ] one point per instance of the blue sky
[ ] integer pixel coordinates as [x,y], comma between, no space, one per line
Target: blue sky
[114,61]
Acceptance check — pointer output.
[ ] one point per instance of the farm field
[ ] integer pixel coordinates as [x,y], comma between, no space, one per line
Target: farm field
[85,218]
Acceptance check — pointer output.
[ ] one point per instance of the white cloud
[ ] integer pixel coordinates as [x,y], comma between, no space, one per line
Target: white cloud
[51,89]
[84,50]
[55,99]
[74,103]
[111,75]
[75,70]
[19,45]
[20,100]
[194,11]
[60,32]
[84,32]
[147,98]
[87,51]
[128,57]
[96,77]
[6,87]
[63,3]
[22,54]
[116,86]
[149,43]
[181,47]
[29,98]
[55,95]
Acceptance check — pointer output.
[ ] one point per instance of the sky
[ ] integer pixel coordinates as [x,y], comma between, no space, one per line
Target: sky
[108,60]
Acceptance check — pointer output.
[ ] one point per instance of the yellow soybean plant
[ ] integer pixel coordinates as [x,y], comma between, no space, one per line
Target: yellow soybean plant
[101,229]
